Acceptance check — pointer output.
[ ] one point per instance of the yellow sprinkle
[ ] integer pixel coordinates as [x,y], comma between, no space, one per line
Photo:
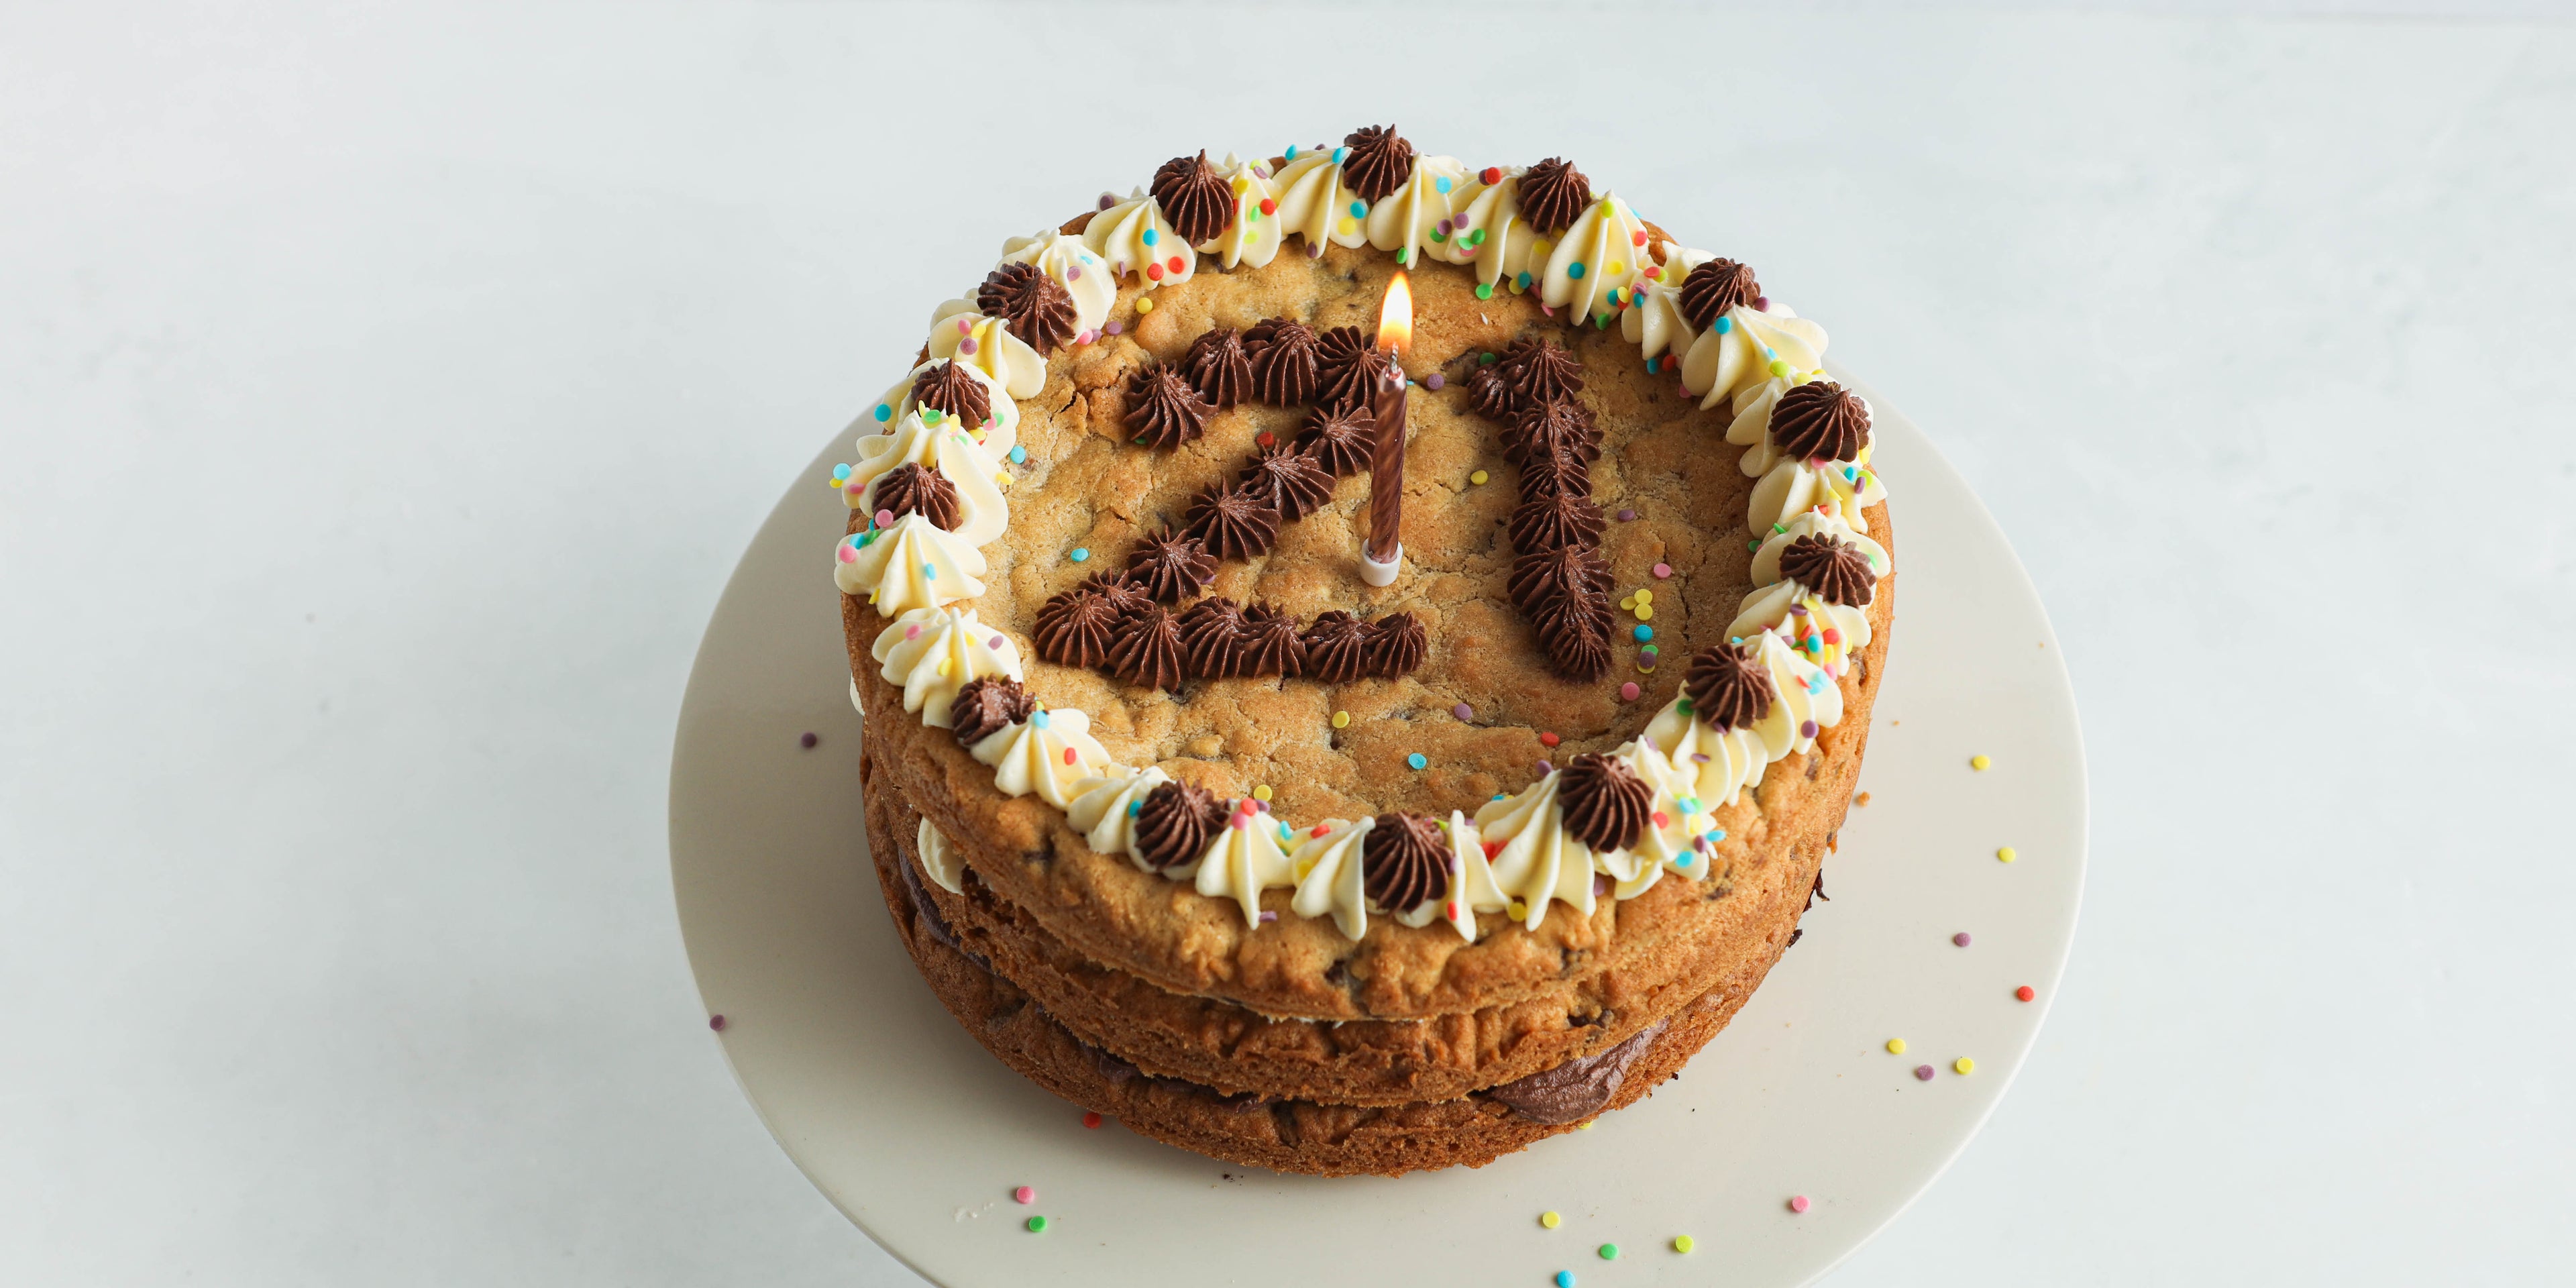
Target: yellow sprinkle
[1240,184]
[1517,910]
[947,666]
[1645,612]
[1550,1219]
[1341,719]
[1978,763]
[1645,596]
[1583,1126]
[1478,478]
[1683,1243]
[1896,1046]
[1964,1065]
[1628,605]
[1001,480]
[1144,306]
[1349,225]
[1618,266]
[2007,854]
[1261,793]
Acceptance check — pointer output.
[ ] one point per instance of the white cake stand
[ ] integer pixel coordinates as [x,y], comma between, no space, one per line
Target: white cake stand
[921,1137]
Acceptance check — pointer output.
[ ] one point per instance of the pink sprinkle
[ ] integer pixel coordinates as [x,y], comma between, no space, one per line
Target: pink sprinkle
[1922,1073]
[1024,1194]
[885,518]
[1086,337]
[1268,916]
[1798,1203]
[967,345]
[912,632]
[1073,272]
[716,1022]
[849,555]
[1663,571]
[965,327]
[1463,711]
[1961,939]
[1241,821]
[1628,692]
[1627,516]
[995,642]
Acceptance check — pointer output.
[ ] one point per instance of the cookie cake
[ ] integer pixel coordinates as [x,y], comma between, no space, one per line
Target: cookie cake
[1363,656]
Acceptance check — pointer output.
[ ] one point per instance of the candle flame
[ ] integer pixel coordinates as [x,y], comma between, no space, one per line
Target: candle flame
[1395,317]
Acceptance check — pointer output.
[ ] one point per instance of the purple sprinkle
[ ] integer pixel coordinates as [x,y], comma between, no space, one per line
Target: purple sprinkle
[1262,171]
[966,345]
[1961,939]
[716,1022]
[1106,201]
[995,642]
[1627,516]
[1762,303]
[808,741]
[1647,741]
[1922,1073]
[1646,658]
[1699,757]
[1441,228]
[1115,327]
[1463,711]
[1314,252]
[1073,272]
[1268,916]
[1546,768]
[1797,610]
[1806,728]
[1434,380]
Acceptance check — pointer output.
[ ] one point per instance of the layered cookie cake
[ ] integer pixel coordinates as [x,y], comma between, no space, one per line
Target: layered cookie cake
[1363,656]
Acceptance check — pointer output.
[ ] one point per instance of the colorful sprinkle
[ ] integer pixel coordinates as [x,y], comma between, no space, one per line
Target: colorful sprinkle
[1564,1279]
[1979,763]
[2007,854]
[1024,1194]
[1964,1065]
[1643,632]
[1417,760]
[1261,793]
[1896,1046]
[716,1022]
[1090,1120]
[1037,1225]
[1548,740]
[1627,516]
[1484,290]
[2025,993]
[1798,1203]
[1575,270]
[1923,1073]
[1545,767]
[1609,1252]
[1550,1219]
[1463,711]
[1663,571]
[808,741]
[1628,692]
[1683,1243]
[1113,326]
[1961,939]
[1341,719]
[1479,478]
[1147,306]
[1079,554]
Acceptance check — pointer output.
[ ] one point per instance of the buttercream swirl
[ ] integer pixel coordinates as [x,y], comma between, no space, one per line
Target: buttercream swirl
[1104,810]
[967,465]
[932,652]
[1330,870]
[1134,236]
[1842,489]
[939,859]
[1598,260]
[1252,232]
[1243,860]
[1316,202]
[1417,215]
[958,331]
[1487,230]
[1064,257]
[1747,345]
[1047,754]
[910,565]
[1659,322]
[1533,858]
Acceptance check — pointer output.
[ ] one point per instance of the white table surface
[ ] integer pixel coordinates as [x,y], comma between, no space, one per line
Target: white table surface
[385,395]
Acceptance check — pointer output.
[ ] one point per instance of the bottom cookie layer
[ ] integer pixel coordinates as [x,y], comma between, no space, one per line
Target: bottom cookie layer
[1282,1135]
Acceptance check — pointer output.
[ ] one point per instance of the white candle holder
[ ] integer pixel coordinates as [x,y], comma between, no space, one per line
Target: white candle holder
[1380,574]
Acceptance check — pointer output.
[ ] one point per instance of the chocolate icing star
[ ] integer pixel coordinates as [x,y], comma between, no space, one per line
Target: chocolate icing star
[1219,368]
[1034,305]
[1548,522]
[1340,441]
[1714,287]
[1194,197]
[1833,568]
[1540,578]
[1291,481]
[1396,643]
[1074,626]
[1404,862]
[950,388]
[1212,638]
[912,488]
[1553,194]
[1337,648]
[1284,366]
[1170,566]
[1146,650]
[1729,687]
[1233,521]
[1603,802]
[1271,645]
[1350,368]
[1162,410]
[1379,161]
[1820,421]
[985,706]
[1174,822]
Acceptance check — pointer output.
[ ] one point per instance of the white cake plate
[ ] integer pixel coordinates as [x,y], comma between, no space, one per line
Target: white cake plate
[920,1136]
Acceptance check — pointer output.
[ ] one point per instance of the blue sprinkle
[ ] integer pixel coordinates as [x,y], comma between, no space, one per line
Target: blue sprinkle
[929,573]
[1442,184]
[1643,632]
[1019,454]
[1769,352]
[1358,208]
[1038,719]
[1417,760]
[840,471]
[1575,270]
[1292,153]
[1498,796]
[1564,1279]
[884,413]
[1525,281]
[1723,325]
[1079,554]
[1339,153]
[1851,473]
[1150,237]
[1135,808]
[1716,834]
[1650,365]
